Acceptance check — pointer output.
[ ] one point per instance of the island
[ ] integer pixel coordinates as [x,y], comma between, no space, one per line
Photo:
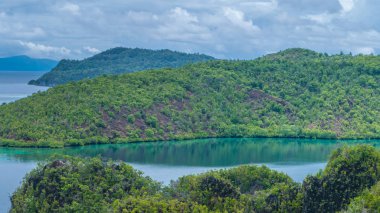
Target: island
[116,61]
[26,63]
[295,93]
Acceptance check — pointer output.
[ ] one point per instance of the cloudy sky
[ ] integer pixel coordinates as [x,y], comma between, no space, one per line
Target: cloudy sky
[222,28]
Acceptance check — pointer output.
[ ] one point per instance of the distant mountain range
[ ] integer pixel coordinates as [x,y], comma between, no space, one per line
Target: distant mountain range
[116,61]
[25,63]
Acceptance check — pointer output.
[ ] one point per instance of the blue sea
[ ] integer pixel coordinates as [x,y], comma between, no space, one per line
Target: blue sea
[14,85]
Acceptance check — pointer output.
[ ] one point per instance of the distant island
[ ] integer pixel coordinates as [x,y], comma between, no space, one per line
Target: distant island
[25,63]
[293,93]
[116,61]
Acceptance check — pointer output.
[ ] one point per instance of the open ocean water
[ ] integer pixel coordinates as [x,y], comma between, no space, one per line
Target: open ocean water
[14,85]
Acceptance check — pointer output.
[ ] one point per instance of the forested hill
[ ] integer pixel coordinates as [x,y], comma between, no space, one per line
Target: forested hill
[294,93]
[25,63]
[116,61]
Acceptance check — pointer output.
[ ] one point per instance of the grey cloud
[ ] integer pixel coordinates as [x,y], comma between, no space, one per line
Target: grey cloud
[222,28]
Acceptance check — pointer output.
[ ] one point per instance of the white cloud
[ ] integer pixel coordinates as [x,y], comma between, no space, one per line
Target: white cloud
[181,26]
[91,50]
[141,17]
[16,29]
[347,5]
[71,8]
[323,18]
[257,8]
[222,28]
[194,30]
[364,50]
[183,15]
[237,18]
[358,40]
[40,48]
[30,33]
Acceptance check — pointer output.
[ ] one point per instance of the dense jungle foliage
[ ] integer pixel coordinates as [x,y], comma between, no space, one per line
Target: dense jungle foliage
[368,201]
[116,61]
[92,185]
[294,93]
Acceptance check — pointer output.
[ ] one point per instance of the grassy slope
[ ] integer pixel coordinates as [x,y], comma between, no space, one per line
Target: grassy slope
[116,61]
[295,93]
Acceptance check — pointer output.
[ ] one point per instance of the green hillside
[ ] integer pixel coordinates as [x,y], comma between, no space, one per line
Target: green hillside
[116,61]
[294,93]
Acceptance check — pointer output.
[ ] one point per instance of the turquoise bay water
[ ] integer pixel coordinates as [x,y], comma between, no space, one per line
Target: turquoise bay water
[14,85]
[165,161]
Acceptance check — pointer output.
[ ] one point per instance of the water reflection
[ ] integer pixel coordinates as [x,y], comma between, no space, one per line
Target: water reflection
[165,161]
[205,152]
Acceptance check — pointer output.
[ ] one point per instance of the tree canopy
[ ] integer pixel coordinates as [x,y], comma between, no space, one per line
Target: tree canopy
[116,61]
[294,93]
[70,184]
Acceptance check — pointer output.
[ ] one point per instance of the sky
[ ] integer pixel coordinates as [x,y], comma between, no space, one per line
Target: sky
[228,29]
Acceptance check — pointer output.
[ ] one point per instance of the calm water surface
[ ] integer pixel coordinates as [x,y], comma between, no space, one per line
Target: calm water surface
[165,161]
[14,85]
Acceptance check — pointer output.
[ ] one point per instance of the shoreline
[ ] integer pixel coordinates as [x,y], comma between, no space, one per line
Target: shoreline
[7,143]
